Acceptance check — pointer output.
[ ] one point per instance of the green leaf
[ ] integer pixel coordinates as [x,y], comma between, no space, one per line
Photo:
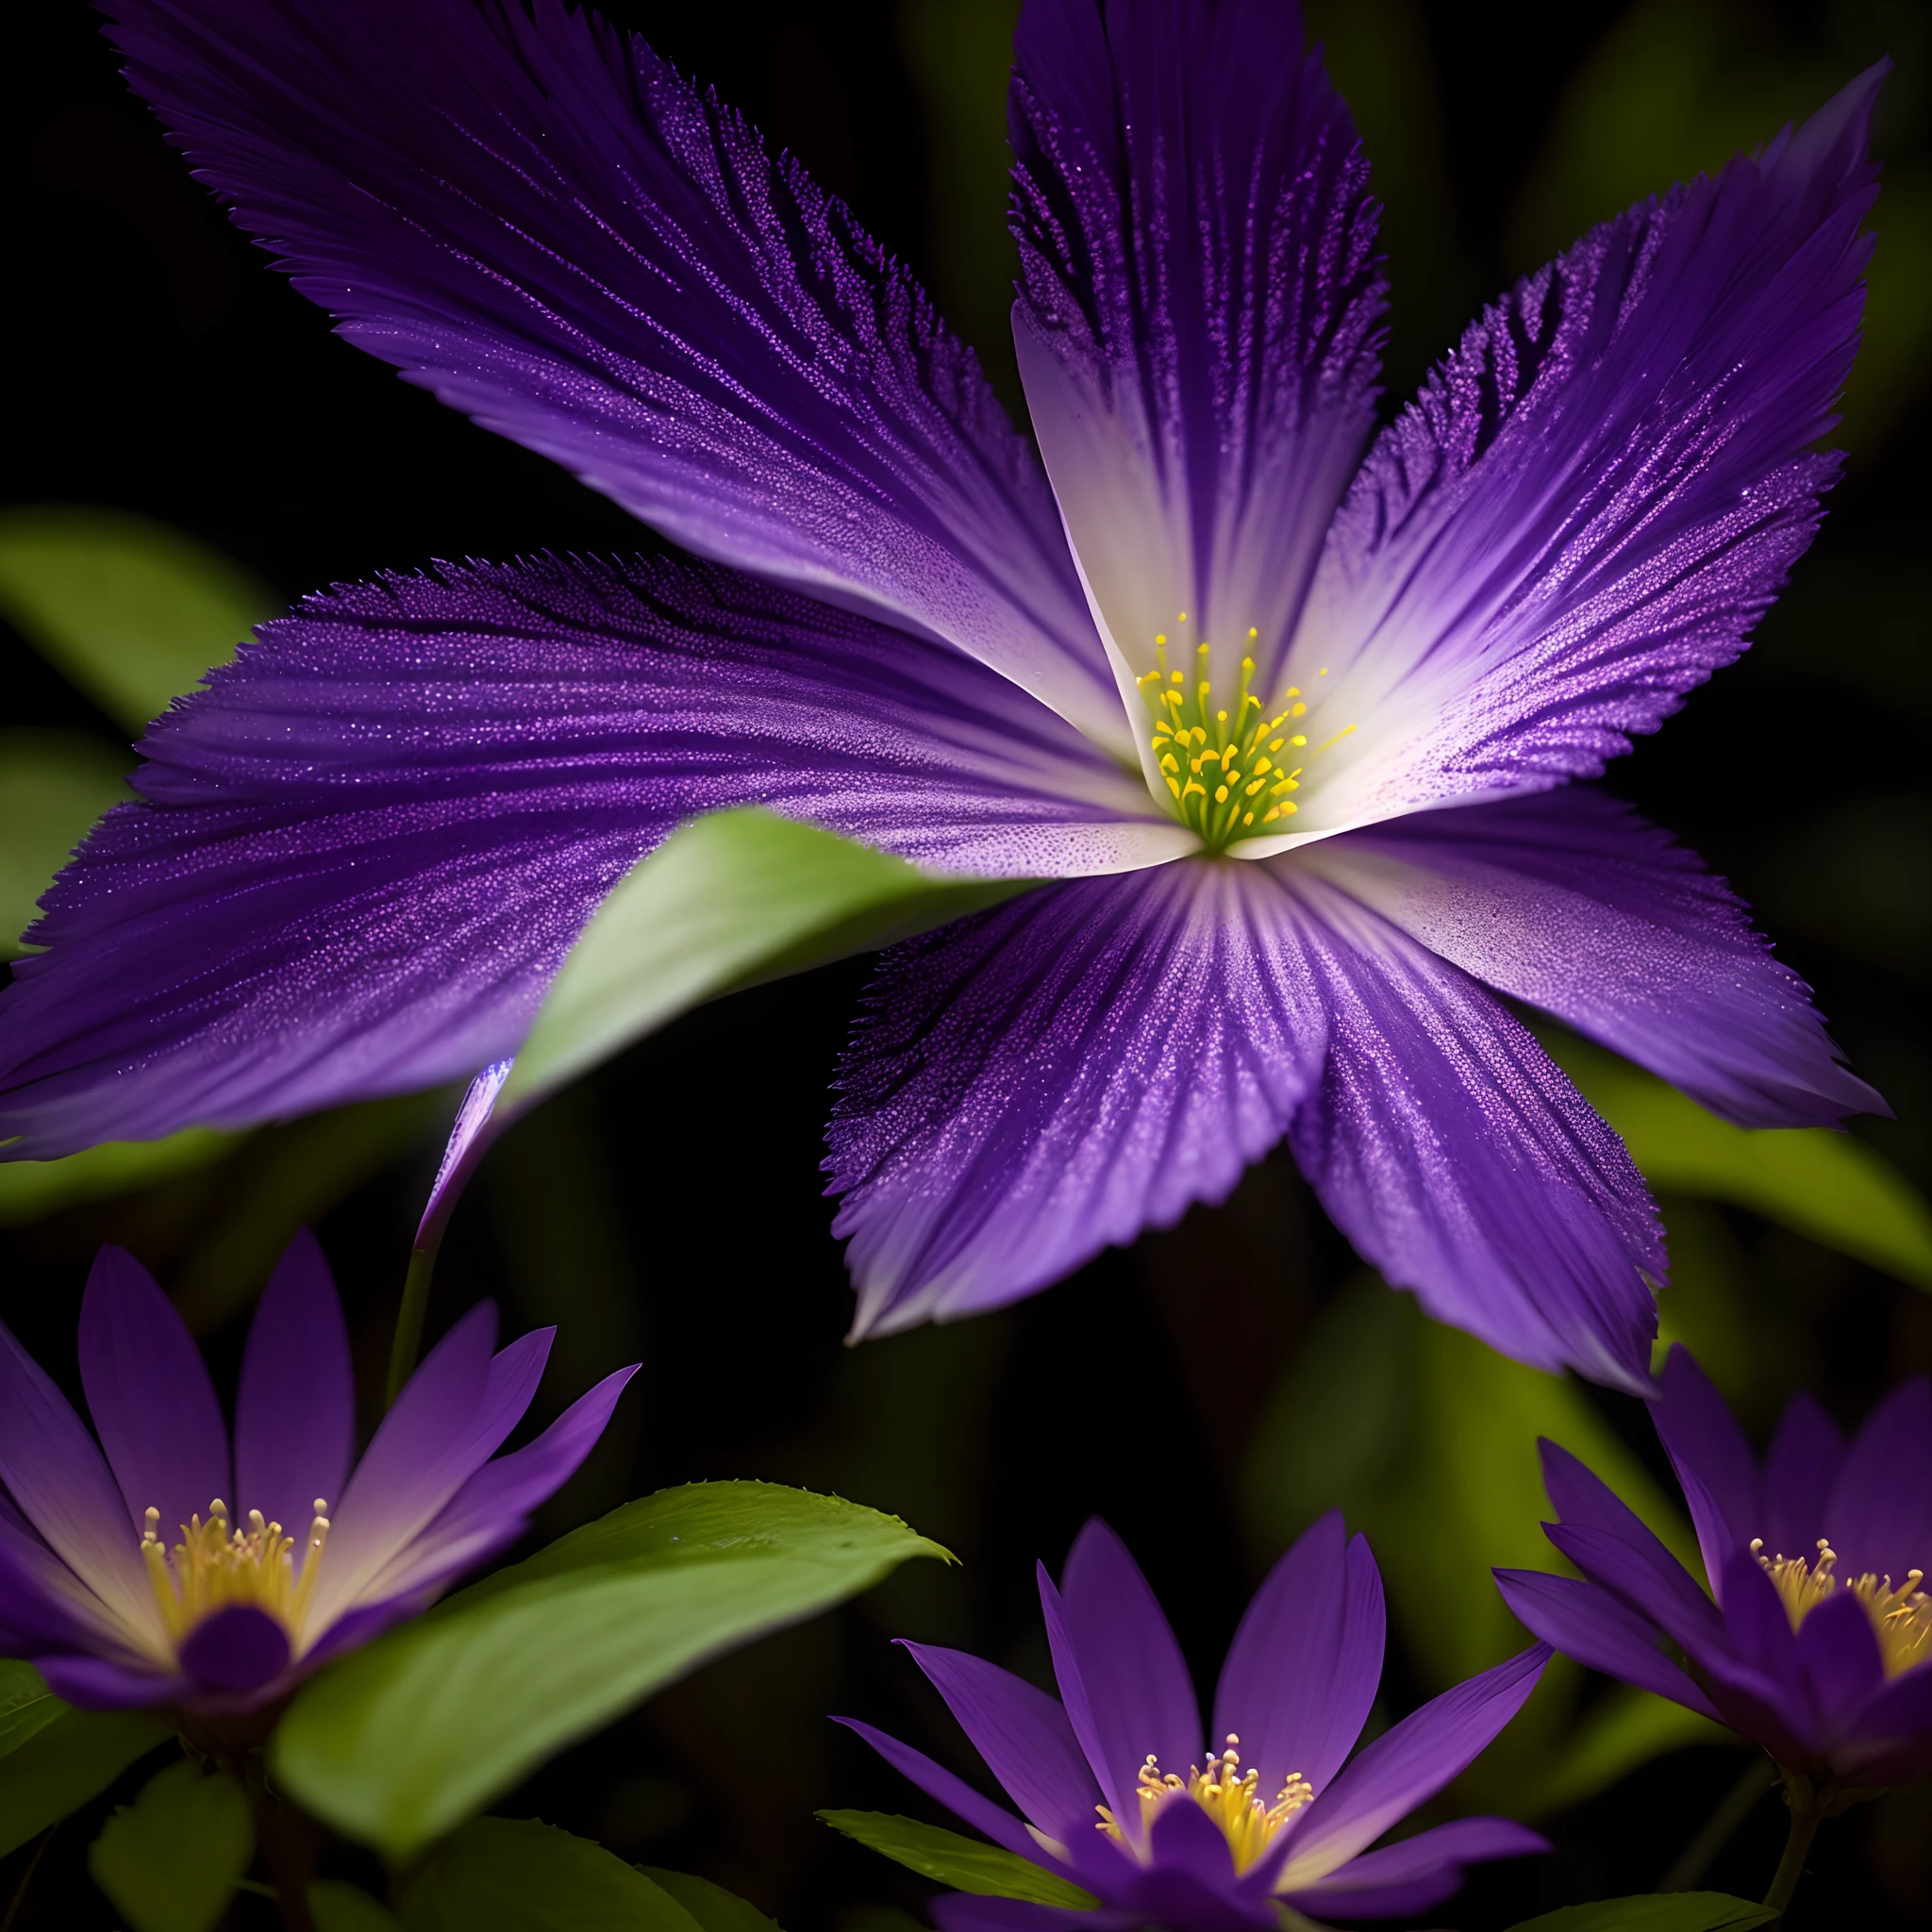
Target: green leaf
[132,612]
[513,1875]
[1655,1911]
[31,1189]
[337,1906]
[401,1741]
[170,1861]
[53,786]
[964,1863]
[59,1759]
[1831,1187]
[27,1706]
[712,1906]
[729,901]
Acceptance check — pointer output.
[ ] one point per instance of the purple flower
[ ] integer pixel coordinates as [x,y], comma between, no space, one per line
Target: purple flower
[1119,1796]
[1816,1639]
[160,1568]
[1290,731]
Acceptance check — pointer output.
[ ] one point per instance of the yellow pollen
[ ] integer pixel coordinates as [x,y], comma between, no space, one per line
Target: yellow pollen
[216,1566]
[1901,1617]
[1228,1795]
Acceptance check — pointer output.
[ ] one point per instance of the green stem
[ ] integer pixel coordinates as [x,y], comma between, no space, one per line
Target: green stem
[408,1337]
[1805,1814]
[1690,1864]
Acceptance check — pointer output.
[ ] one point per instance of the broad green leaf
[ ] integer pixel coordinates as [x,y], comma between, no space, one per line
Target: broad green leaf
[31,1189]
[712,1906]
[57,1760]
[516,1874]
[337,1906]
[27,1706]
[170,1861]
[1655,1911]
[53,786]
[402,1741]
[1829,1186]
[132,612]
[729,901]
[964,1863]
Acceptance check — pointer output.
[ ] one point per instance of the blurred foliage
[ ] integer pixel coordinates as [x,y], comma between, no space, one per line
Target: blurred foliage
[335,1906]
[54,1758]
[1683,1911]
[53,786]
[964,1864]
[172,1860]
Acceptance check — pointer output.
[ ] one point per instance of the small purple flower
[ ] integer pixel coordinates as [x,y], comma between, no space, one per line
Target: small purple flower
[1290,731]
[173,1572]
[1119,1795]
[1818,1643]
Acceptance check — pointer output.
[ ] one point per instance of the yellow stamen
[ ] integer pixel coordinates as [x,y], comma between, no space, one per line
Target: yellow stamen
[216,1566]
[1224,1792]
[1901,1615]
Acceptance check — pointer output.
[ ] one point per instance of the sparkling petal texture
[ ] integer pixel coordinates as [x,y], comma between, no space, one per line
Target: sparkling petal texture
[1817,1697]
[75,1597]
[369,844]
[1595,498]
[534,217]
[1197,322]
[1298,1680]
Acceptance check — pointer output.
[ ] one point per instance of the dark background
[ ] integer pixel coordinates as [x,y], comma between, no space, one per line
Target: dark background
[156,363]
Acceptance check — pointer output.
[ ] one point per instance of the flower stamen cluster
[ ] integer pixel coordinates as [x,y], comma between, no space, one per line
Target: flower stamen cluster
[1229,772]
[1228,1795]
[216,1566]
[1901,1616]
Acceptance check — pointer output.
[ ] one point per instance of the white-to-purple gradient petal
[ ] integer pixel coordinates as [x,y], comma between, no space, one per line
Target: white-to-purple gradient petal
[1416,1872]
[1197,322]
[1595,498]
[1305,1660]
[1569,900]
[369,844]
[295,1404]
[533,216]
[150,1397]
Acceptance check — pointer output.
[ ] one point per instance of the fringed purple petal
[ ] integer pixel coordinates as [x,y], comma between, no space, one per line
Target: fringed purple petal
[1022,1735]
[1587,1623]
[531,216]
[1031,1085]
[370,843]
[1197,324]
[1595,498]
[1461,1163]
[295,1404]
[1713,1461]
[148,1391]
[1306,1661]
[1879,1519]
[1572,902]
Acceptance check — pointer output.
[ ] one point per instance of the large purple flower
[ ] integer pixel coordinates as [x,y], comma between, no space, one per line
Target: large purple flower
[173,1572]
[1206,1840]
[1816,1639]
[1292,731]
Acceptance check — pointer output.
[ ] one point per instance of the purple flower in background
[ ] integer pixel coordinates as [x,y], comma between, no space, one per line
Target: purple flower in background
[1290,730]
[1206,1840]
[1818,1643]
[169,1571]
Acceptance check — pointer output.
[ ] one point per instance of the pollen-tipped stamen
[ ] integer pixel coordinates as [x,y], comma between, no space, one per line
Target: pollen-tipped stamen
[1901,1615]
[1229,1795]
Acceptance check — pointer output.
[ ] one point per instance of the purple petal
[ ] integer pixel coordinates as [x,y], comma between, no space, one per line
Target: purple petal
[1572,902]
[1033,1084]
[1755,1620]
[95,1683]
[295,1406]
[1197,322]
[1139,1695]
[1022,1733]
[42,1601]
[1418,1872]
[1461,1163]
[370,841]
[1879,1519]
[1838,1661]
[1587,1623]
[148,1391]
[470,1136]
[1891,1740]
[240,1648]
[62,1486]
[492,1508]
[1597,495]
[1184,1839]
[1713,1463]
[1305,1664]
[539,220]
[1402,1769]
[1800,1469]
[958,1796]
